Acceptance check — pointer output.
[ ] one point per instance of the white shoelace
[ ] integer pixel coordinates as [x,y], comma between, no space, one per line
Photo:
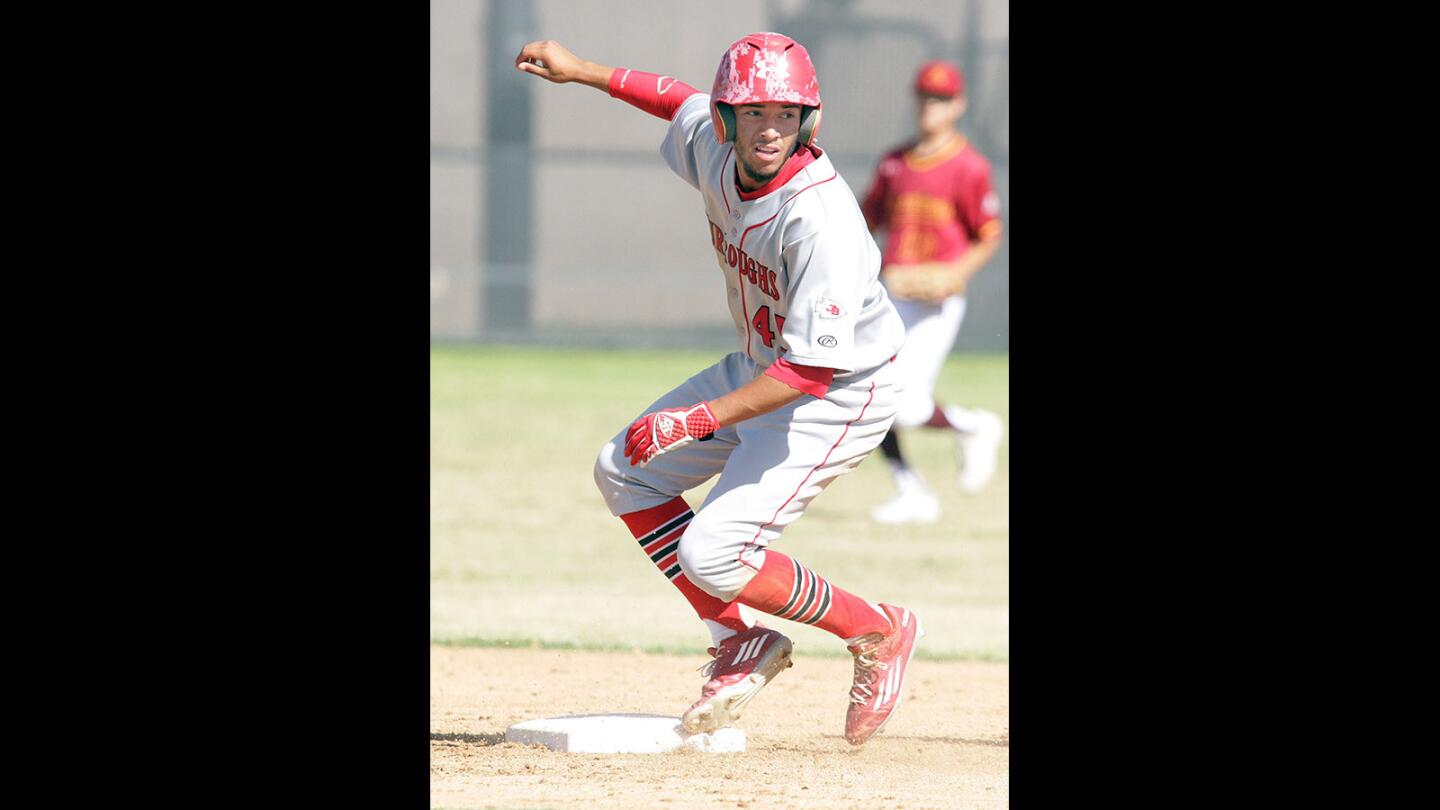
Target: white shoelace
[866,666]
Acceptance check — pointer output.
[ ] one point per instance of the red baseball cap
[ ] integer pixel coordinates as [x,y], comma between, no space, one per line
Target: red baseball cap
[939,78]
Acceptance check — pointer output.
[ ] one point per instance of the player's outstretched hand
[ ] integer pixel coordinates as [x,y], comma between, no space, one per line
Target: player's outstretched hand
[670,429]
[550,60]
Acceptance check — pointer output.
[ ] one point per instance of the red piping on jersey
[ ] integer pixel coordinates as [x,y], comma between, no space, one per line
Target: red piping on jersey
[741,556]
[782,205]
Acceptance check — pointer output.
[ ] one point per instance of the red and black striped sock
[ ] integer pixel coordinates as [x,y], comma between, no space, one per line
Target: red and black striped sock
[658,531]
[785,588]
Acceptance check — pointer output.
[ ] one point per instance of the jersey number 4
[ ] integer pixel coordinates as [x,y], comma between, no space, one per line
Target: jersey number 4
[761,322]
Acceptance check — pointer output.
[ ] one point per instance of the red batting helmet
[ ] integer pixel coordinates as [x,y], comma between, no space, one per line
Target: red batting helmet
[765,67]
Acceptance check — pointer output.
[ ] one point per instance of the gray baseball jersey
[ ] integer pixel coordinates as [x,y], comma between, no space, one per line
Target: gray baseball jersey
[801,275]
[801,269]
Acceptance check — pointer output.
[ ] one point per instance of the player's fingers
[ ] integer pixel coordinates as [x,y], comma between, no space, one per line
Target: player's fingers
[531,51]
[639,457]
[635,439]
[531,67]
[636,429]
[533,55]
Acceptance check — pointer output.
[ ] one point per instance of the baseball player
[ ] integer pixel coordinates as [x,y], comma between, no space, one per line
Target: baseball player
[933,197]
[809,393]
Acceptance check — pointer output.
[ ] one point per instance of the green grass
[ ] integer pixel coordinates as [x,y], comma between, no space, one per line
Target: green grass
[524,553]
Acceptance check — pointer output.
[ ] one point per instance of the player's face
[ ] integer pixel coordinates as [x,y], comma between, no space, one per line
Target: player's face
[935,115]
[765,135]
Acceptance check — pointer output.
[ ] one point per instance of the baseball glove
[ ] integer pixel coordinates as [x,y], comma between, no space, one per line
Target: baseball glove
[928,283]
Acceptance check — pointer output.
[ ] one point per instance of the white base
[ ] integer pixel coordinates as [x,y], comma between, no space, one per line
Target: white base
[621,734]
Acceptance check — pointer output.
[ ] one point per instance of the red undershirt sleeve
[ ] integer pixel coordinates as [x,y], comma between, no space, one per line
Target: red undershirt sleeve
[660,96]
[813,380]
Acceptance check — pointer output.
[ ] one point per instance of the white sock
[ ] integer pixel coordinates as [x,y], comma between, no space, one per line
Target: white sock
[718,632]
[750,617]
[907,480]
[965,421]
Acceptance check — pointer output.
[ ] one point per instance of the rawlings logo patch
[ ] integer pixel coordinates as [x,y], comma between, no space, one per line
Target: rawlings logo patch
[666,425]
[828,341]
[828,309]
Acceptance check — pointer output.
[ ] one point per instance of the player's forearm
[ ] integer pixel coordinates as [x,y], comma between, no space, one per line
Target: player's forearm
[596,75]
[658,95]
[975,258]
[759,396]
[958,272]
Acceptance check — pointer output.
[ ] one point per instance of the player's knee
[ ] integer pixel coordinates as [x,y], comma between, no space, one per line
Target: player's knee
[709,562]
[701,567]
[608,476]
[709,555]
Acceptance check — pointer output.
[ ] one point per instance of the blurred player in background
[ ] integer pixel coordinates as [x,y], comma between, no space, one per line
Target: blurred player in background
[934,198]
[809,394]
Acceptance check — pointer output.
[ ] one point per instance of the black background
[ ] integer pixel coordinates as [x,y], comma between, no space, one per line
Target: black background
[290,428]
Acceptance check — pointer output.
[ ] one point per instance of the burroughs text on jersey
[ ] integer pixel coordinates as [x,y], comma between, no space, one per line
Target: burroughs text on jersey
[758,274]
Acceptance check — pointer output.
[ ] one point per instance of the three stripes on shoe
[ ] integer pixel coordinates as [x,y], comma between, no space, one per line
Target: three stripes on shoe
[663,543]
[749,649]
[889,688]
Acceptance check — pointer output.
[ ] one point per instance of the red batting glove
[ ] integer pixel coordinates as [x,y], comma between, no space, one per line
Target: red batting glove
[670,429]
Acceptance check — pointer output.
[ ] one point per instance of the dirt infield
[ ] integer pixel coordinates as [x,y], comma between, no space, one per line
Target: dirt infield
[948,745]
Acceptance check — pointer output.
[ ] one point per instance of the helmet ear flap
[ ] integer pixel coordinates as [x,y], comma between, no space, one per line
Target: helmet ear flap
[722,115]
[809,125]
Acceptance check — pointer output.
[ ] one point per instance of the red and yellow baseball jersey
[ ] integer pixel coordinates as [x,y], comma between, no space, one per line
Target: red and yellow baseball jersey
[934,207]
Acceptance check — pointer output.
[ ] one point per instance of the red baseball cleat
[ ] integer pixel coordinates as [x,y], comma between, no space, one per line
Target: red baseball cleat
[743,664]
[880,666]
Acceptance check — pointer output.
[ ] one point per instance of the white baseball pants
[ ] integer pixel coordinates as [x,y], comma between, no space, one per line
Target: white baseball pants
[930,332]
[771,467]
